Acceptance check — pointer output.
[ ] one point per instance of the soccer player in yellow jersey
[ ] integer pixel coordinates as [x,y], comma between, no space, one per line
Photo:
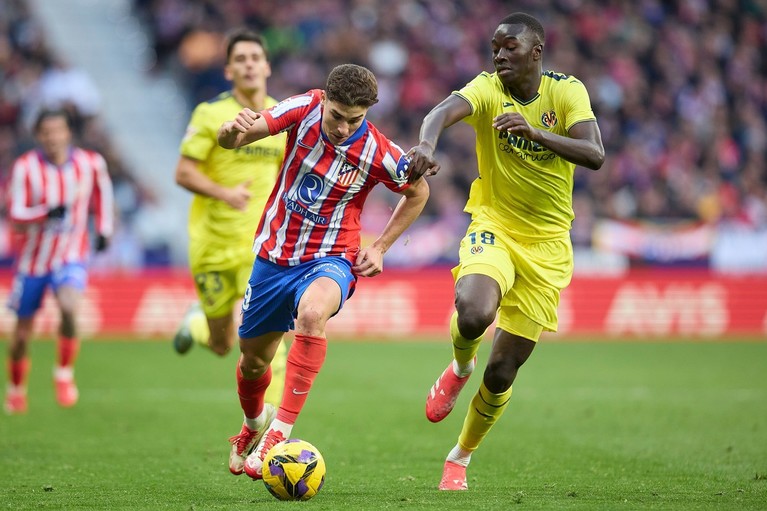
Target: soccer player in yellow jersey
[230,189]
[532,128]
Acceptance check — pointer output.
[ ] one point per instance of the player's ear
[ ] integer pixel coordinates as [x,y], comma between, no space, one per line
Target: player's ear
[228,73]
[537,51]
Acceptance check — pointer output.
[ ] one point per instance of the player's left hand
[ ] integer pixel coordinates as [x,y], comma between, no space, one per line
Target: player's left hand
[102,242]
[369,262]
[514,123]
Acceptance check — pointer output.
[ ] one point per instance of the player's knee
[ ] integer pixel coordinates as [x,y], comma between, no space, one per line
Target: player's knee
[499,375]
[68,324]
[219,349]
[473,320]
[220,343]
[17,348]
[310,321]
[252,367]
[22,333]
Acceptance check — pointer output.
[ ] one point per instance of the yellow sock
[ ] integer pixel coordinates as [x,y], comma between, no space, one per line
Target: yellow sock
[464,349]
[198,327]
[484,410]
[274,391]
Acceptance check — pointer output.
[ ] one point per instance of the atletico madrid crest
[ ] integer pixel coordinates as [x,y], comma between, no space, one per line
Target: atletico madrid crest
[348,173]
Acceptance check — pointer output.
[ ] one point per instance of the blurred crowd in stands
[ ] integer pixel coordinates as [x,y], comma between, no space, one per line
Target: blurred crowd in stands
[679,89]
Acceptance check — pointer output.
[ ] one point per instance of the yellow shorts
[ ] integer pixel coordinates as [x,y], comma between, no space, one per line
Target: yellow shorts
[530,275]
[220,276]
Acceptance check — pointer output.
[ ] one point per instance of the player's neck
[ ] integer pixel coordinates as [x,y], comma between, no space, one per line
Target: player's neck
[527,88]
[254,100]
[58,158]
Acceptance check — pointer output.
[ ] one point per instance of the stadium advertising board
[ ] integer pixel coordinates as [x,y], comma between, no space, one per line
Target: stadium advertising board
[403,304]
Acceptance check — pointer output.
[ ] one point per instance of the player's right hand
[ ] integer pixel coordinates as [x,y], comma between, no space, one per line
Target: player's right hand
[102,243]
[245,119]
[422,162]
[239,196]
[57,213]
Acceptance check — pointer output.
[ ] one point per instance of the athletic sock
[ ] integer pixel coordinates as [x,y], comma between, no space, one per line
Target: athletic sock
[251,392]
[459,455]
[61,373]
[464,350]
[484,410]
[18,371]
[305,358]
[257,423]
[68,348]
[282,427]
[199,329]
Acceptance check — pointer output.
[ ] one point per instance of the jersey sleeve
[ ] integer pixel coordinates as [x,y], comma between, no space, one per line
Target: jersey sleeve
[103,197]
[477,94]
[576,103]
[20,211]
[288,112]
[200,136]
[394,165]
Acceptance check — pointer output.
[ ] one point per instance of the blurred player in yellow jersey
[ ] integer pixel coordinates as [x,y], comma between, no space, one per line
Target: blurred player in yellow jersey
[230,189]
[532,129]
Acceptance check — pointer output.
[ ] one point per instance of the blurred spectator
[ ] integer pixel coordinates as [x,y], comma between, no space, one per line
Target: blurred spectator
[32,78]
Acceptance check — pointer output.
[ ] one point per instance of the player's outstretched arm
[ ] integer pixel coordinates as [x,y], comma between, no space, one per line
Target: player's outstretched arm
[583,146]
[247,127]
[370,259]
[451,110]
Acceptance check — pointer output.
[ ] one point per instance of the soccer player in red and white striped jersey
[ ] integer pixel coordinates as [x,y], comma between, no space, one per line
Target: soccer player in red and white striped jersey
[53,191]
[315,208]
[307,246]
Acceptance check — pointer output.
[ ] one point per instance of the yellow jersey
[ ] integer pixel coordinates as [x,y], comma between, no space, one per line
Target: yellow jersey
[213,221]
[523,186]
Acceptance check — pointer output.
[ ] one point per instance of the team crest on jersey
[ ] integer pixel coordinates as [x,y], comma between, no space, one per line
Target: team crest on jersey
[549,119]
[348,173]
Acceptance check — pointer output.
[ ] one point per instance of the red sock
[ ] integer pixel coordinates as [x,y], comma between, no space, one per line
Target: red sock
[68,348]
[18,370]
[251,392]
[305,359]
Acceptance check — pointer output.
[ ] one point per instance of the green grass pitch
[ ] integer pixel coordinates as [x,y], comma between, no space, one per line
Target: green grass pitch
[591,426]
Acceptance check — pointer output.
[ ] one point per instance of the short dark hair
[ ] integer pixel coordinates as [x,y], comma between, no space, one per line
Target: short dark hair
[52,113]
[352,85]
[532,24]
[244,34]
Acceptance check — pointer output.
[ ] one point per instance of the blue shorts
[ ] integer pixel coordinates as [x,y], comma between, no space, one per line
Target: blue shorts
[28,291]
[273,292]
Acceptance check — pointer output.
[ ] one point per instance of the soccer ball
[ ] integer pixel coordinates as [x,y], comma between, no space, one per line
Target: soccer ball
[294,470]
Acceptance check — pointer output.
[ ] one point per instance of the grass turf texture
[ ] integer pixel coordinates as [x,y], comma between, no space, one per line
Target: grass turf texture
[590,426]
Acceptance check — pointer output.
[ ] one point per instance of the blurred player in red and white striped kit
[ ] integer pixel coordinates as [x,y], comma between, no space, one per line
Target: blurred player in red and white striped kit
[53,191]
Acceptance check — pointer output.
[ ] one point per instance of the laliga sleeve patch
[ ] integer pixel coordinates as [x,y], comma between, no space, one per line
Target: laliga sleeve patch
[403,165]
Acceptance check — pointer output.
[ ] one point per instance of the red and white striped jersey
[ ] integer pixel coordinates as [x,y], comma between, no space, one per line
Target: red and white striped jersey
[315,206]
[82,185]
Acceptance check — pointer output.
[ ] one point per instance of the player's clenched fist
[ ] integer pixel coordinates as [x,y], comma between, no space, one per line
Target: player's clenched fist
[245,119]
[241,131]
